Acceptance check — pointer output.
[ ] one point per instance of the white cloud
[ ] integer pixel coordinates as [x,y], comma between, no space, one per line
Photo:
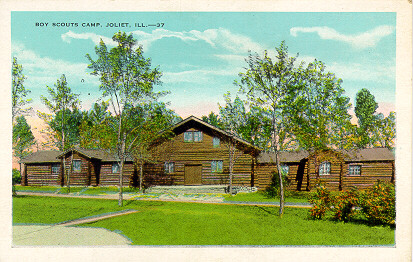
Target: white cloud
[67,37]
[364,72]
[362,40]
[197,76]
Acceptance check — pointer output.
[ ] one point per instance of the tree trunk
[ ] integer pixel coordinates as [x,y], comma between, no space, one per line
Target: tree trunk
[70,172]
[140,176]
[231,166]
[277,162]
[122,161]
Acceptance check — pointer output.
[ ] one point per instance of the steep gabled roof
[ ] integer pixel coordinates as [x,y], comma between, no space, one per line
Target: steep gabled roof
[194,122]
[44,156]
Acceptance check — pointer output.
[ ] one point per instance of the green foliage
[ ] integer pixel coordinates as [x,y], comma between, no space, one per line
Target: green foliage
[63,126]
[98,128]
[321,201]
[23,138]
[378,203]
[365,110]
[18,92]
[17,178]
[273,190]
[212,119]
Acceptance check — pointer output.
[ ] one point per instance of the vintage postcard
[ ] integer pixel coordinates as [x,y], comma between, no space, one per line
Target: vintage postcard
[251,130]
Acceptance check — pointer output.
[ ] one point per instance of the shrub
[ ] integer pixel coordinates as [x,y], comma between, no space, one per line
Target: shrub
[16,179]
[16,176]
[344,205]
[273,190]
[321,201]
[378,203]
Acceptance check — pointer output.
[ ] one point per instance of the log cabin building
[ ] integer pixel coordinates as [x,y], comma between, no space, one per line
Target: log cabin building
[197,153]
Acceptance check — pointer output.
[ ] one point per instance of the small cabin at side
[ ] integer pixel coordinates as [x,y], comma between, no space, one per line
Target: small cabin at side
[337,169]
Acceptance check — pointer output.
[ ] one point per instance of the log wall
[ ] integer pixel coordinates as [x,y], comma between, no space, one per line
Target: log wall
[40,175]
[198,153]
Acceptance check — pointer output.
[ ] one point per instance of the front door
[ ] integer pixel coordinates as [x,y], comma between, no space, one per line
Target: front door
[193,175]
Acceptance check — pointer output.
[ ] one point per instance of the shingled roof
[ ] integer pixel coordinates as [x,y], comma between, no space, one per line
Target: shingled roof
[352,155]
[46,156]
[100,154]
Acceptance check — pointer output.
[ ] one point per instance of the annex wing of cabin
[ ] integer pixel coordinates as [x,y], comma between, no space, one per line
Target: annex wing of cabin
[194,123]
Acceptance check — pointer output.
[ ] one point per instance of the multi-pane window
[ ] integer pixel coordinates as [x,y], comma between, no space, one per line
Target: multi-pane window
[115,167]
[354,170]
[188,136]
[77,165]
[215,142]
[285,169]
[169,167]
[325,168]
[55,168]
[217,166]
[193,136]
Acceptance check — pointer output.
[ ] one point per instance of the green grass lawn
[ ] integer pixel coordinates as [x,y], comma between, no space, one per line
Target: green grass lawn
[174,223]
[293,197]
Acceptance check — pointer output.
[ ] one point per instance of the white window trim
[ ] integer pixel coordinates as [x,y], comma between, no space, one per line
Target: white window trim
[216,169]
[354,165]
[321,165]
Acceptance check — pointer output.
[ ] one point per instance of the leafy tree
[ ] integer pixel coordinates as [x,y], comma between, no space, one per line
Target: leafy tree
[61,101]
[266,84]
[148,121]
[127,78]
[66,122]
[97,128]
[23,138]
[317,109]
[19,92]
[212,119]
[365,110]
[232,118]
[257,127]
[385,131]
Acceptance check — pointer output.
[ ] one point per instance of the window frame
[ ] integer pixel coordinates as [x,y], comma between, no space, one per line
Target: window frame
[53,166]
[118,167]
[193,136]
[215,166]
[350,166]
[74,168]
[214,141]
[323,165]
[167,167]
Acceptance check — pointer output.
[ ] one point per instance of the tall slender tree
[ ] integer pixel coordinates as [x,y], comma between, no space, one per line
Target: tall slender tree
[232,118]
[266,84]
[365,110]
[127,79]
[61,99]
[18,91]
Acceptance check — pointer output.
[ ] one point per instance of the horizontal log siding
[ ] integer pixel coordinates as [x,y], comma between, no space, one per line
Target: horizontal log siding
[371,172]
[107,178]
[198,153]
[264,173]
[331,181]
[77,178]
[41,175]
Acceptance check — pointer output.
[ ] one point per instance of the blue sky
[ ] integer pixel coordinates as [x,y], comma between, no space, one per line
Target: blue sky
[201,54]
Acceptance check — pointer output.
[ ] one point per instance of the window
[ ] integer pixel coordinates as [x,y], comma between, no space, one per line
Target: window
[193,136]
[285,169]
[354,170]
[217,166]
[197,136]
[76,165]
[169,167]
[55,168]
[215,142]
[188,136]
[325,168]
[115,167]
